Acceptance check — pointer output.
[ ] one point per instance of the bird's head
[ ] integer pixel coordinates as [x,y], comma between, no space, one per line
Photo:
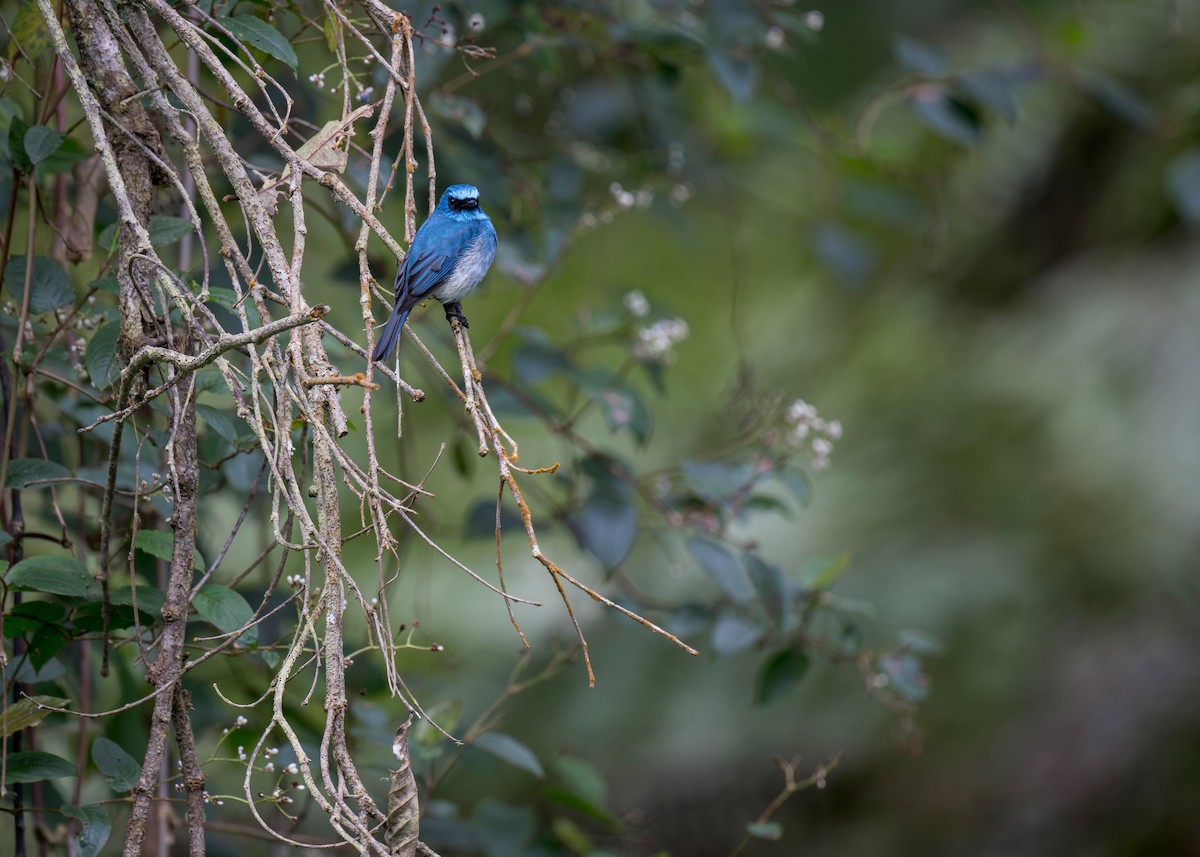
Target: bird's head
[460,198]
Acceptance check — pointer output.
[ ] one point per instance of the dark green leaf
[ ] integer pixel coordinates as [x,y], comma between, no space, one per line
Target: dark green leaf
[781,673]
[503,830]
[580,777]
[107,240]
[31,766]
[119,768]
[772,831]
[90,617]
[722,566]
[101,358]
[1121,101]
[992,89]
[607,528]
[167,230]
[535,361]
[45,643]
[31,616]
[17,127]
[27,712]
[733,633]
[96,827]
[64,157]
[714,481]
[771,586]
[917,56]
[509,749]
[28,473]
[41,142]
[58,575]
[106,284]
[226,609]
[260,34]
[220,422]
[481,519]
[49,286]
[735,68]
[949,116]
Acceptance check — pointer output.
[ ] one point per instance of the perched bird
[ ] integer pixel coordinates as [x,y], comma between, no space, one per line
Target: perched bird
[449,256]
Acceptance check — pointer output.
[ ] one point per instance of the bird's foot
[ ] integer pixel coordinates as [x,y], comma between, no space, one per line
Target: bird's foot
[454,311]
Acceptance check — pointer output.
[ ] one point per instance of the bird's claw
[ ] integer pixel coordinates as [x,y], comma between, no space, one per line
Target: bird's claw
[454,311]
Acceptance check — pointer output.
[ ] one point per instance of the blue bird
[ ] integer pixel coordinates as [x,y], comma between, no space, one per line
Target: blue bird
[449,256]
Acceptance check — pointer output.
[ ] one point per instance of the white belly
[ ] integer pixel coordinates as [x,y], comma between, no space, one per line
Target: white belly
[467,274]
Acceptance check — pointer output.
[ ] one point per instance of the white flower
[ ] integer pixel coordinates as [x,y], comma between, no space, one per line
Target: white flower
[637,304]
[656,341]
[624,198]
[774,39]
[814,20]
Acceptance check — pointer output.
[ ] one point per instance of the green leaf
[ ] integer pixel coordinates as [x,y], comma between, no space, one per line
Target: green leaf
[771,586]
[150,599]
[96,827]
[509,749]
[723,567]
[733,633]
[30,766]
[167,230]
[30,616]
[772,831]
[260,34]
[220,422]
[822,572]
[535,361]
[951,116]
[606,526]
[155,543]
[17,127]
[781,673]
[101,358]
[580,777]
[58,575]
[225,609]
[503,830]
[64,157]
[45,643]
[49,287]
[27,473]
[714,481]
[107,241]
[27,712]
[917,56]
[29,32]
[119,768]
[1118,99]
[41,142]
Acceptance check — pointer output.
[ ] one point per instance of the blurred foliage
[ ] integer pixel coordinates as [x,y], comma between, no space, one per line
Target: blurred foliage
[964,228]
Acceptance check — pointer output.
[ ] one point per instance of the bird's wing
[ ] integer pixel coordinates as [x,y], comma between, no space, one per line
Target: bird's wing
[431,258]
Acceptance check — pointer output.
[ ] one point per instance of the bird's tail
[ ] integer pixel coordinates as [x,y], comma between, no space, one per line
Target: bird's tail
[389,336]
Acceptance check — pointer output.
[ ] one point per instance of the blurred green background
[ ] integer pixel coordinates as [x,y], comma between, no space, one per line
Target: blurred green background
[998,298]
[964,229]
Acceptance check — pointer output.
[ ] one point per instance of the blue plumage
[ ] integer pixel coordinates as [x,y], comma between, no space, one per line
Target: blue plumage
[449,257]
